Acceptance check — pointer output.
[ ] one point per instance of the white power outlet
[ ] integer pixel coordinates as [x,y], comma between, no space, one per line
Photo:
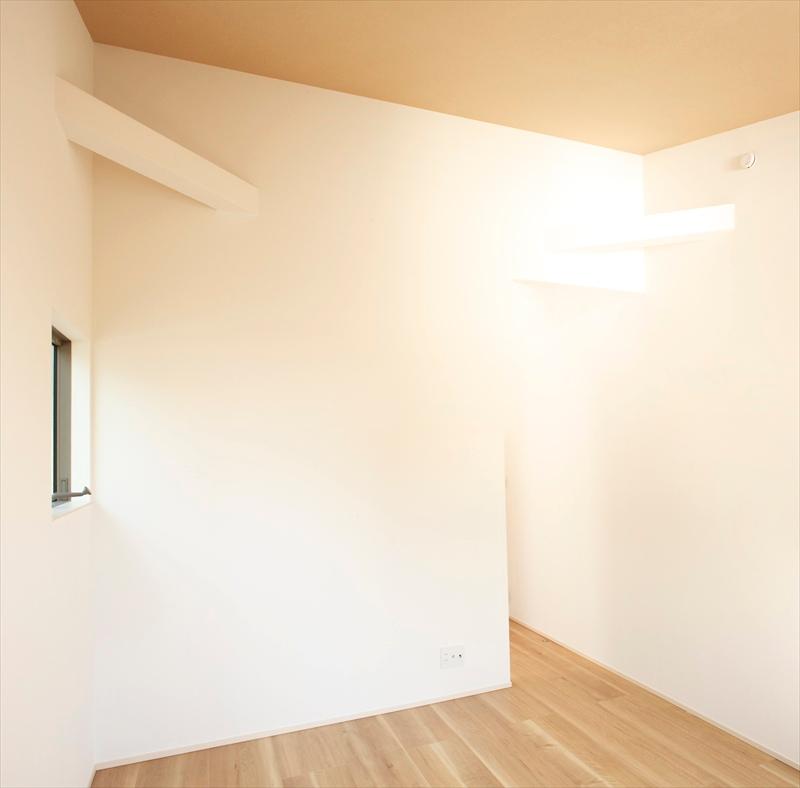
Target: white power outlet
[452,657]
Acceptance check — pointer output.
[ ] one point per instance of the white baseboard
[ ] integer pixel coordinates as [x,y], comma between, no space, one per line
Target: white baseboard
[735,734]
[291,729]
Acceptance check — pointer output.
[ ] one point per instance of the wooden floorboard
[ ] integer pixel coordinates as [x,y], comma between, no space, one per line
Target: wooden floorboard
[565,722]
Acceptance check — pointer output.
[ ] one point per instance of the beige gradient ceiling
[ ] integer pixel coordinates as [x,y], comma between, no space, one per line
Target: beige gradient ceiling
[638,75]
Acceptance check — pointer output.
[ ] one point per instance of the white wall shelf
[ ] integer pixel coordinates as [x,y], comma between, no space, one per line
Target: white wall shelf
[108,132]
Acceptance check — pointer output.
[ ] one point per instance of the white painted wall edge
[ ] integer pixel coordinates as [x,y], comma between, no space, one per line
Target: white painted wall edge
[108,132]
[292,729]
[765,750]
[656,229]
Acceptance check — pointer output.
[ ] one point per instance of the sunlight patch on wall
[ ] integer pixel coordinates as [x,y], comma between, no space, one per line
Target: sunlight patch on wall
[610,255]
[623,270]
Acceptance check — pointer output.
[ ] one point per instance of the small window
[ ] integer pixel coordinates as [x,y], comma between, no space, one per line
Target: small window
[61,363]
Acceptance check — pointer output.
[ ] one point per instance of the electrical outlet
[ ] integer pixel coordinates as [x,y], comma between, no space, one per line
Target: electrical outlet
[452,657]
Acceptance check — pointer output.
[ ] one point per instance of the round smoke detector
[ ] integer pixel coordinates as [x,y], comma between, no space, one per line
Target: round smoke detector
[748,160]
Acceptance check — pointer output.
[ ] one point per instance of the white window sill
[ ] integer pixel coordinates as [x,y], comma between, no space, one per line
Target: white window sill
[70,506]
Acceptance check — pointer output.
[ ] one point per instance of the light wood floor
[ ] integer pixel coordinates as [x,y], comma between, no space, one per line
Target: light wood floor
[565,722]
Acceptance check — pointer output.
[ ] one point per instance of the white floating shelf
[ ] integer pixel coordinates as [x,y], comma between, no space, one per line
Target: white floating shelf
[655,229]
[108,132]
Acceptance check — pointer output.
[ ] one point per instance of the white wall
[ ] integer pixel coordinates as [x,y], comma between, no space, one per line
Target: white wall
[653,451]
[45,248]
[299,417]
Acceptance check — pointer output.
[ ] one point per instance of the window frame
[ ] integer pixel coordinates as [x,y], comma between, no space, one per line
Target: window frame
[61,413]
